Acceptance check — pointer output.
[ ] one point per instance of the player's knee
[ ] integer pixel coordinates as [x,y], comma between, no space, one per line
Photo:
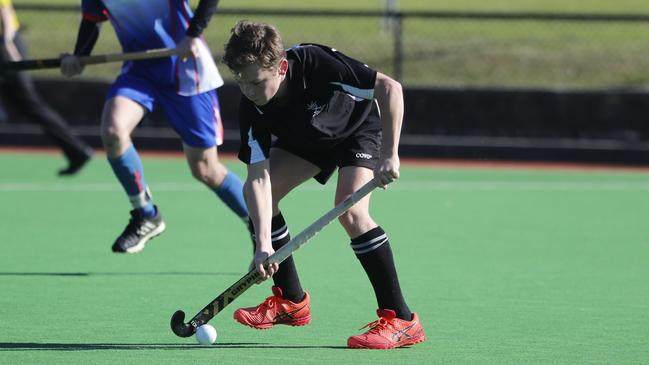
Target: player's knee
[201,173]
[111,135]
[110,142]
[211,176]
[353,219]
[278,192]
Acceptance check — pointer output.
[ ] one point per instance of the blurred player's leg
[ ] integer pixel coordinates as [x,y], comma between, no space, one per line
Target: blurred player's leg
[121,115]
[372,248]
[197,119]
[206,168]
[19,88]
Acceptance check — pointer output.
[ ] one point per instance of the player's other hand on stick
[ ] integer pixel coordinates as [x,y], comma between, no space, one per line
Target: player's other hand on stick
[70,65]
[387,170]
[188,47]
[268,270]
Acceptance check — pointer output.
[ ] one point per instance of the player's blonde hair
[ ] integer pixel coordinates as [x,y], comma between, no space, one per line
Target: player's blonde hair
[253,43]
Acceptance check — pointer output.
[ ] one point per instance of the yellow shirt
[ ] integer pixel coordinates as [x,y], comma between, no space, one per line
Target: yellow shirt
[7,3]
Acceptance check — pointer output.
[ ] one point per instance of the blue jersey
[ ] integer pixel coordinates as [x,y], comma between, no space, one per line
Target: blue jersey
[148,24]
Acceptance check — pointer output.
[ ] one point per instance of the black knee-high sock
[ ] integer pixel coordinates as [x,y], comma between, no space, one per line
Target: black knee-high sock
[372,249]
[286,277]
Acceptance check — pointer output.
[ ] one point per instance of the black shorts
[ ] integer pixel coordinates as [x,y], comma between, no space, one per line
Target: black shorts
[361,149]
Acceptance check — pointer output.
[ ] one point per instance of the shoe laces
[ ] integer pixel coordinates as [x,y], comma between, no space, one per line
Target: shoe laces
[132,225]
[137,226]
[376,326]
[268,303]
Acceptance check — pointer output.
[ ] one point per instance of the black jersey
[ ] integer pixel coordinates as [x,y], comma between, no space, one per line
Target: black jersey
[329,96]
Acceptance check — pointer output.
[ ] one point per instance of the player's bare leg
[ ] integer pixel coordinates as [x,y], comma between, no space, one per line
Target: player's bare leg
[206,168]
[289,304]
[205,165]
[397,326]
[120,117]
[356,220]
[287,171]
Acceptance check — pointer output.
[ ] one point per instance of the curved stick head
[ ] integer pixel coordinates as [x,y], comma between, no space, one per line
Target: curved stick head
[178,325]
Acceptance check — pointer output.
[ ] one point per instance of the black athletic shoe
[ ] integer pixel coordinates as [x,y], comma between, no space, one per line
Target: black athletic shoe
[138,231]
[76,162]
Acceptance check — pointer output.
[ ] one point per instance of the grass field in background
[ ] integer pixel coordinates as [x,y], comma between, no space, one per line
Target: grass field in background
[503,265]
[436,52]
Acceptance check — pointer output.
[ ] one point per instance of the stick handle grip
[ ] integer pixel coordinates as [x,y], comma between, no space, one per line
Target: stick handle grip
[31,64]
[131,56]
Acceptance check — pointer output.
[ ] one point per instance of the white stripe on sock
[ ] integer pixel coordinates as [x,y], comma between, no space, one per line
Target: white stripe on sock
[279,234]
[357,246]
[371,248]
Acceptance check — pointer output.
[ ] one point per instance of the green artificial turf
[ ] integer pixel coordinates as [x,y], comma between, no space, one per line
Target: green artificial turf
[504,266]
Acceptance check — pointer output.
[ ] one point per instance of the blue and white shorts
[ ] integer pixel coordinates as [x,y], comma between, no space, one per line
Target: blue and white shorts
[196,118]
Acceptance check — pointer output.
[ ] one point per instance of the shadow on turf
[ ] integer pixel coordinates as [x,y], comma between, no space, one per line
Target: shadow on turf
[172,273]
[32,346]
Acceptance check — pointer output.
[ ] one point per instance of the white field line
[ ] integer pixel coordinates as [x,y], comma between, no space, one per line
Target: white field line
[435,185]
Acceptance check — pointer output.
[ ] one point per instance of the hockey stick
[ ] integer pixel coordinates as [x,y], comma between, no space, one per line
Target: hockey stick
[182,329]
[88,60]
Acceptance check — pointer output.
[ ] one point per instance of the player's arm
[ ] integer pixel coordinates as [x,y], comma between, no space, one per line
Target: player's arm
[204,12]
[7,17]
[257,191]
[254,151]
[87,36]
[202,16]
[363,82]
[389,96]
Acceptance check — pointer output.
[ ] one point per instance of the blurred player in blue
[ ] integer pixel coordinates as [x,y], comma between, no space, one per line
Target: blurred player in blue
[184,86]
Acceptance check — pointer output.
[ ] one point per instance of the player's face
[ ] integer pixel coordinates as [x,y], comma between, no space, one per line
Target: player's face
[261,84]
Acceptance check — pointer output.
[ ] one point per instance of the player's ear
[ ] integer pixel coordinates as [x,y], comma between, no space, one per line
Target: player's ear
[282,68]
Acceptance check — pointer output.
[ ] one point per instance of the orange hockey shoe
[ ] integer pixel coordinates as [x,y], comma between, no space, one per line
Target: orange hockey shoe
[389,332]
[275,310]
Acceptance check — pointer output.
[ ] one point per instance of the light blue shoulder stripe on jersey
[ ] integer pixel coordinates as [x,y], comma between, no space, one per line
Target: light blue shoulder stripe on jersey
[367,94]
[256,154]
[160,30]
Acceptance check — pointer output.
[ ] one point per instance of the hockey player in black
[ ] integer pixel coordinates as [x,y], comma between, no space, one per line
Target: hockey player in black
[306,112]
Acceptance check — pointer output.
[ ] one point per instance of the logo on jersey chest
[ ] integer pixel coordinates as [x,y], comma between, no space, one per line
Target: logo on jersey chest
[315,108]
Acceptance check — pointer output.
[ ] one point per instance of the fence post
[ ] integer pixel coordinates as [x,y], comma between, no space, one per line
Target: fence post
[397,20]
